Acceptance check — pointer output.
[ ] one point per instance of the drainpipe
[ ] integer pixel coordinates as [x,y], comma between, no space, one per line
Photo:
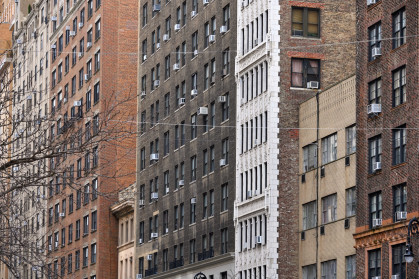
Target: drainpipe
[317,176]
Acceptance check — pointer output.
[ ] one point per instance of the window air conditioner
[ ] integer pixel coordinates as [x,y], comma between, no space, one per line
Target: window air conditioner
[313,85]
[50,247]
[225,72]
[193,201]
[154,156]
[396,276]
[144,57]
[149,257]
[53,46]
[376,166]
[193,13]
[376,277]
[80,54]
[374,108]
[376,51]
[19,41]
[140,202]
[259,239]
[72,33]
[194,92]
[195,52]
[177,27]
[167,230]
[202,111]
[158,45]
[156,82]
[181,182]
[222,99]
[68,27]
[222,162]
[223,29]
[176,67]
[62,214]
[205,2]
[139,276]
[182,101]
[80,25]
[370,2]
[154,235]
[156,8]
[166,37]
[86,77]
[401,215]
[249,193]
[54,18]
[15,168]
[77,103]
[143,94]
[154,195]
[140,241]
[377,222]
[89,44]
[211,38]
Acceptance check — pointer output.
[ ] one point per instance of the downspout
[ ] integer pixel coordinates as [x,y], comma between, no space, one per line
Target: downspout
[317,176]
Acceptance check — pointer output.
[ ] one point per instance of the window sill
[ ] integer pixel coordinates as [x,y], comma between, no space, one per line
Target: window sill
[303,89]
[398,165]
[398,48]
[306,38]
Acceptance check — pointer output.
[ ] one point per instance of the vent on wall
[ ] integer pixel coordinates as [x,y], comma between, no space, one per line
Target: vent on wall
[322,172]
[303,178]
[322,230]
[347,223]
[303,235]
[347,161]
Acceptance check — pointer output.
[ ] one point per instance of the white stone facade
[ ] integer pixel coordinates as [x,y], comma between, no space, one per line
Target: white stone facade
[256,203]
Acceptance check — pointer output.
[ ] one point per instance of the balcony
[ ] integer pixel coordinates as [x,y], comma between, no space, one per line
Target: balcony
[205,255]
[176,263]
[151,271]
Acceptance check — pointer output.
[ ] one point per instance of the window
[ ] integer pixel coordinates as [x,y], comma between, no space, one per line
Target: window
[204,205]
[206,76]
[97,61]
[329,148]
[85,256]
[97,29]
[89,8]
[399,86]
[167,67]
[374,263]
[144,18]
[350,140]
[168,27]
[194,43]
[70,263]
[304,71]
[350,262]
[211,210]
[225,150]
[96,93]
[193,168]
[309,271]
[350,202]
[305,22]
[205,162]
[226,16]
[207,33]
[225,108]
[224,241]
[193,126]
[374,91]
[398,260]
[182,216]
[309,215]
[86,225]
[93,253]
[376,209]
[77,230]
[77,260]
[399,145]
[192,217]
[192,251]
[94,220]
[310,157]
[329,209]
[374,152]
[224,197]
[166,104]
[400,200]
[329,269]
[374,37]
[226,62]
[399,28]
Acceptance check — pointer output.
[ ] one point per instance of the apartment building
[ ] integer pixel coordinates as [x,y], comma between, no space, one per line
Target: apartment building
[256,200]
[387,175]
[186,155]
[93,70]
[327,193]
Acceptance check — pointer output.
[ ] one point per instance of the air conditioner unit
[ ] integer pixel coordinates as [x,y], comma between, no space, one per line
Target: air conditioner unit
[53,46]
[154,156]
[244,245]
[256,141]
[225,72]
[222,162]
[377,222]
[89,44]
[68,27]
[80,54]
[313,85]
[222,99]
[86,77]
[19,41]
[256,42]
[33,34]
[176,67]
[177,27]
[140,202]
[156,8]
[65,100]
[158,45]
[259,239]
[374,108]
[211,38]
[149,257]
[195,52]
[29,97]
[205,2]
[166,37]
[139,276]
[401,215]
[80,25]
[15,168]
[376,166]
[50,247]
[202,111]
[223,29]
[370,2]
[140,241]
[54,18]
[144,57]
[181,182]
[213,79]
[154,235]
[72,33]
[193,13]
[143,94]
[77,103]
[182,101]
[194,92]
[167,230]
[193,201]
[376,51]
[376,277]
[62,214]
[154,196]
[249,193]
[156,82]
[396,276]
[56,244]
